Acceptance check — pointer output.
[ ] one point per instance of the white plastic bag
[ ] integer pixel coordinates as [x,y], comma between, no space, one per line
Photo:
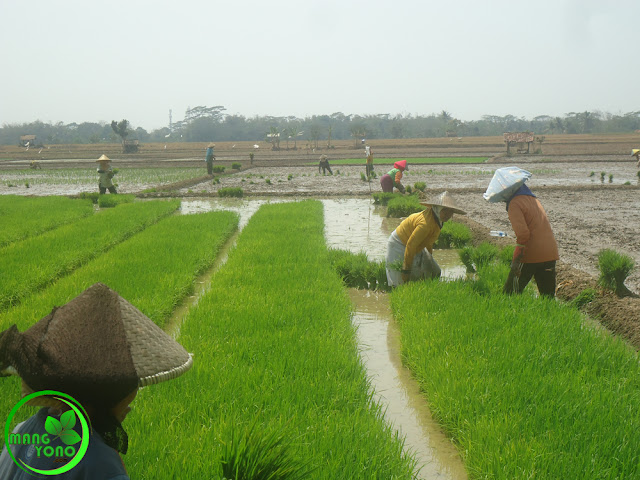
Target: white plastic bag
[504,184]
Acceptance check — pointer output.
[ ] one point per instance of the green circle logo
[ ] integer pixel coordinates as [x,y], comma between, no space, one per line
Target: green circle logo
[62,429]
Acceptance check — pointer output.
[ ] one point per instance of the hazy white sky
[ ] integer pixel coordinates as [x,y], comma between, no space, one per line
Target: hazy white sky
[79,60]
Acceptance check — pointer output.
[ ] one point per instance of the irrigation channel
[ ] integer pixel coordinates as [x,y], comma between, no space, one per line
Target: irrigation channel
[359,225]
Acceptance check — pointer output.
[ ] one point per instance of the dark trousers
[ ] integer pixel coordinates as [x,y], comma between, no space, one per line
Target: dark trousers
[210,167]
[103,190]
[323,167]
[543,272]
[368,169]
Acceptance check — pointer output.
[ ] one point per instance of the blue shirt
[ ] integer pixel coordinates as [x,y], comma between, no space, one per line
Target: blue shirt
[100,462]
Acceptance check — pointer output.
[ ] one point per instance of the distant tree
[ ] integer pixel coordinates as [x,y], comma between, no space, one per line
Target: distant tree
[314,135]
[273,137]
[445,116]
[121,129]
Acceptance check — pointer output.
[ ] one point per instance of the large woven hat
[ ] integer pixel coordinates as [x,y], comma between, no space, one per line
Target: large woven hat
[211,145]
[444,200]
[103,158]
[635,151]
[97,348]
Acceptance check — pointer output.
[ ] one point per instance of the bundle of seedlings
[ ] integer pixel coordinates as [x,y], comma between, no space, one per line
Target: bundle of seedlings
[476,257]
[358,271]
[453,235]
[403,206]
[382,198]
[230,192]
[110,201]
[614,270]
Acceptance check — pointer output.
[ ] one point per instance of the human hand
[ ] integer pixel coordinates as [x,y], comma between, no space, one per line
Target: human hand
[518,253]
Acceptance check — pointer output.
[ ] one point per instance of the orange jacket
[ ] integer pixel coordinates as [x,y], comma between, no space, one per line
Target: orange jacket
[533,230]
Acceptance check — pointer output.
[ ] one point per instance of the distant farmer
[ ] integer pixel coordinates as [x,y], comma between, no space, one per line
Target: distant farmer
[105,174]
[369,165]
[536,251]
[412,242]
[324,165]
[209,158]
[636,153]
[99,349]
[393,177]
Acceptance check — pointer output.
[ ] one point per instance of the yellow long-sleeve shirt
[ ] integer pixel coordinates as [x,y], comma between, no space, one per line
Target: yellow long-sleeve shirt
[417,231]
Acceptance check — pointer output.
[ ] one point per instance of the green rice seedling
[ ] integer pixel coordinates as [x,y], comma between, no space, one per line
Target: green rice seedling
[22,217]
[506,254]
[466,258]
[230,192]
[357,271]
[403,206]
[154,270]
[602,175]
[257,454]
[420,186]
[453,235]
[290,176]
[110,201]
[219,168]
[31,264]
[409,190]
[522,385]
[273,346]
[584,297]
[614,270]
[476,257]
[215,181]
[627,183]
[26,184]
[93,196]
[592,174]
[268,181]
[611,178]
[363,177]
[236,166]
[382,198]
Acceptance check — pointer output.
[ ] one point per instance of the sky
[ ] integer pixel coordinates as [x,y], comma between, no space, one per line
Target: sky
[96,61]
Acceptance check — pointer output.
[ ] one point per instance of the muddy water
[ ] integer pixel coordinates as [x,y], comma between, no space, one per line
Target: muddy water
[358,225]
[398,392]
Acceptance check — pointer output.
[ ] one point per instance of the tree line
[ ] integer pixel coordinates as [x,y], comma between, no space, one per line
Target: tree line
[204,124]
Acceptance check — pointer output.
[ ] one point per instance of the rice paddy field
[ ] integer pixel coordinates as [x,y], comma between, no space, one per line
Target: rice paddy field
[516,387]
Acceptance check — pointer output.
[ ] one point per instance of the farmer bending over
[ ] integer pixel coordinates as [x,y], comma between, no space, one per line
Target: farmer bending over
[412,242]
[324,165]
[636,153]
[393,177]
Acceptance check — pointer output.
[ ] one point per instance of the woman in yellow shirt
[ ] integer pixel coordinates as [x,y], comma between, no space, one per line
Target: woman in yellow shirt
[412,242]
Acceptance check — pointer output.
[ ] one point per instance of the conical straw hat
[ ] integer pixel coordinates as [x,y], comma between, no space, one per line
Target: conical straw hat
[444,200]
[97,348]
[103,158]
[635,151]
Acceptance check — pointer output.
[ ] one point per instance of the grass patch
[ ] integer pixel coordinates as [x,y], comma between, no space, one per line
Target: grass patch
[23,217]
[110,201]
[31,264]
[274,347]
[523,386]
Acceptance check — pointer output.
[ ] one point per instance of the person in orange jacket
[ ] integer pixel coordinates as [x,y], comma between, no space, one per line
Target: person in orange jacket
[393,177]
[536,252]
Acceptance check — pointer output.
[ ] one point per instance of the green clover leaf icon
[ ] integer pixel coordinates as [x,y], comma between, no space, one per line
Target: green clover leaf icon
[63,428]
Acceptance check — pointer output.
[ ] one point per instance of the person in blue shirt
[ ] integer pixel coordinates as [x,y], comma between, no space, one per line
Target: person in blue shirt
[209,158]
[100,350]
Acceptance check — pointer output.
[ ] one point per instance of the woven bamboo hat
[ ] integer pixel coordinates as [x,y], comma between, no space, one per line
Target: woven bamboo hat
[97,348]
[635,152]
[444,200]
[211,145]
[103,158]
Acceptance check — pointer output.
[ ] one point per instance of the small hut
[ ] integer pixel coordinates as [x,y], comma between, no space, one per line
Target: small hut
[26,140]
[519,140]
